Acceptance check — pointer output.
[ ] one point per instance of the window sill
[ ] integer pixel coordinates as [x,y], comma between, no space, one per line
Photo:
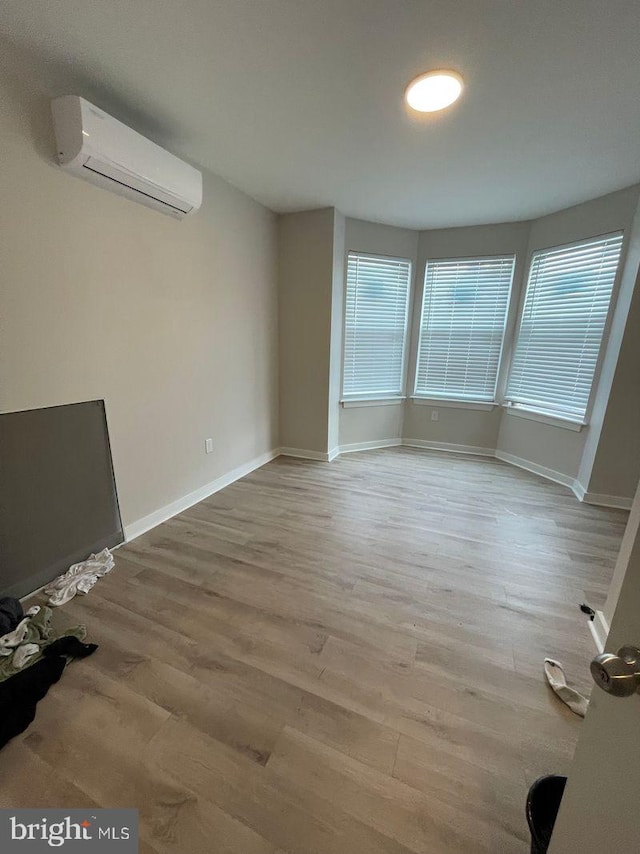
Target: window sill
[372,401]
[486,406]
[543,418]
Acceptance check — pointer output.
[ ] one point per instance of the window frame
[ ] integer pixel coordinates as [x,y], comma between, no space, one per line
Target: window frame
[465,402]
[380,398]
[547,416]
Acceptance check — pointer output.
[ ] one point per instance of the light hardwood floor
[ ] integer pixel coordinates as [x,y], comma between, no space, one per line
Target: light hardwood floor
[330,659]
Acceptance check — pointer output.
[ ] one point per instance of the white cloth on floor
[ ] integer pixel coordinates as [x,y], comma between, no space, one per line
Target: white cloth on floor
[23,654]
[13,639]
[554,672]
[79,578]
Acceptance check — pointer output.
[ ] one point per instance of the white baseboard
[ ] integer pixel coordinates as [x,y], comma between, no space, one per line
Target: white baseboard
[333,453]
[600,500]
[599,629]
[35,592]
[369,446]
[534,468]
[450,447]
[578,490]
[141,526]
[303,454]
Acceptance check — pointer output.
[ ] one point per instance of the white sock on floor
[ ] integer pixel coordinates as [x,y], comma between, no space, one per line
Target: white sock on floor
[24,653]
[13,639]
[554,672]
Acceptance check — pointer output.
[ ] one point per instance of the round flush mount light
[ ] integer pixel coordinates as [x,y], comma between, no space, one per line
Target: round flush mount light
[433,91]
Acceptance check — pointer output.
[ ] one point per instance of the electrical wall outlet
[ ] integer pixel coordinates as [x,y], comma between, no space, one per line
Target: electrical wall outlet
[435,415]
[208,446]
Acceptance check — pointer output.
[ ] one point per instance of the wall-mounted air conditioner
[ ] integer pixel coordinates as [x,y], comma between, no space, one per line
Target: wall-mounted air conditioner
[95,146]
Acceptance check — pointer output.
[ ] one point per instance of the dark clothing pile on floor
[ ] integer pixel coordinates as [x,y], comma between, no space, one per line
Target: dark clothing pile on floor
[31,662]
[10,614]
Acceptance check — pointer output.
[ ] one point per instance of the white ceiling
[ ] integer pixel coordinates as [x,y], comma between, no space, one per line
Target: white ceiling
[300,102]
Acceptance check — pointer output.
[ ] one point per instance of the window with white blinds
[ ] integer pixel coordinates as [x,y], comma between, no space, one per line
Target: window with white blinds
[464,313]
[563,320]
[375,330]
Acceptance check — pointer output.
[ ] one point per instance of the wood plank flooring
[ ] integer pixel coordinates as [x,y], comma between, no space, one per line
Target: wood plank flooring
[330,659]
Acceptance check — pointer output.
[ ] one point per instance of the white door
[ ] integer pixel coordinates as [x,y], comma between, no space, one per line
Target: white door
[600,812]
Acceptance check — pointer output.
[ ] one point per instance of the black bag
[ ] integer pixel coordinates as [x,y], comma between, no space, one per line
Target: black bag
[543,803]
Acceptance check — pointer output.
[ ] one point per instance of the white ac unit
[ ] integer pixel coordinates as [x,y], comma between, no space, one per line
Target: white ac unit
[95,146]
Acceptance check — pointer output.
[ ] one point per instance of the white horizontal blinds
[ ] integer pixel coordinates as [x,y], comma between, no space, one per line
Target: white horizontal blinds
[464,313]
[563,319]
[375,325]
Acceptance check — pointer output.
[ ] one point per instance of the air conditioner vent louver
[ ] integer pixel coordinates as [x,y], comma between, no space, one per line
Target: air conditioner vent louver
[130,182]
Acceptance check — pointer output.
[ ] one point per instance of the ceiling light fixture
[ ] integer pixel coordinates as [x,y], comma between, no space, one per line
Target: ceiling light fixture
[433,91]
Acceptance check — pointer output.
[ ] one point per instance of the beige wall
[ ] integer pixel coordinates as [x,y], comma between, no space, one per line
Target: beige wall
[458,426]
[174,324]
[616,467]
[337,302]
[472,428]
[611,459]
[305,274]
[375,423]
[546,445]
[556,449]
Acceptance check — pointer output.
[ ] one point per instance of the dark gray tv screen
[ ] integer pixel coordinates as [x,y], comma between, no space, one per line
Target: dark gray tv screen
[58,500]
